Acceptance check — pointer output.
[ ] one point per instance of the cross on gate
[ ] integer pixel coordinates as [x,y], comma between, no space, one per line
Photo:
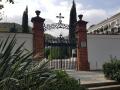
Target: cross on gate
[60,17]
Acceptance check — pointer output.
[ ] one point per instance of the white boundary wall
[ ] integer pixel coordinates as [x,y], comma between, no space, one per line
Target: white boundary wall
[21,37]
[100,48]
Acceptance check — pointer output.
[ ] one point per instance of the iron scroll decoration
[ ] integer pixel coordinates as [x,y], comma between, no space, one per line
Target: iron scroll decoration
[56,25]
[60,41]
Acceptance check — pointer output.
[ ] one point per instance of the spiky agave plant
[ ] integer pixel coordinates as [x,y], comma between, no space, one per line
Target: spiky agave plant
[18,72]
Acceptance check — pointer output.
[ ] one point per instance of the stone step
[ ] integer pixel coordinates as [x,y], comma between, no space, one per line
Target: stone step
[109,87]
[89,85]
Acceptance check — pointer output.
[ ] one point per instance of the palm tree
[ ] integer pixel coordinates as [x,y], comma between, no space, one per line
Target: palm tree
[18,71]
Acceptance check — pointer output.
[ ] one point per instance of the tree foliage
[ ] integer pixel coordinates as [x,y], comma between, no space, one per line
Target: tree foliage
[57,52]
[25,28]
[72,23]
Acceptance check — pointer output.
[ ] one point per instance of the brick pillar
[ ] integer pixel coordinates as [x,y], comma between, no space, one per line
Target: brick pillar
[38,36]
[82,54]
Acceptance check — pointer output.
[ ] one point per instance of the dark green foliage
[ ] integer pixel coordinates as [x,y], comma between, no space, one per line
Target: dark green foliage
[17,70]
[54,53]
[48,37]
[25,28]
[47,52]
[13,29]
[117,76]
[57,53]
[72,24]
[112,69]
[64,82]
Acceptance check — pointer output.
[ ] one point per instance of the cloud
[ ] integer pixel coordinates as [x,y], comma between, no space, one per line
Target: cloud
[57,32]
[50,9]
[94,16]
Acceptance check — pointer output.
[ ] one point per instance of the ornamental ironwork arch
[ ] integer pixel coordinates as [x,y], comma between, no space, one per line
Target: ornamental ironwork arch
[59,41]
[56,25]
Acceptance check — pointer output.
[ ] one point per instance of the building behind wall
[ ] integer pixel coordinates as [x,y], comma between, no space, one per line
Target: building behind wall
[103,41]
[20,37]
[5,31]
[109,26]
[7,26]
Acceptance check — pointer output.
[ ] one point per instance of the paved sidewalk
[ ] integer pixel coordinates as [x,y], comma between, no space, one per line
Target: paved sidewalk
[89,76]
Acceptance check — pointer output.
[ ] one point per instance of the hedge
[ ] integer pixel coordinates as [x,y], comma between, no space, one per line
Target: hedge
[112,69]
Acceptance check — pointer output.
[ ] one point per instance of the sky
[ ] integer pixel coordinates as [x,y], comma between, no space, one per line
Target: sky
[94,11]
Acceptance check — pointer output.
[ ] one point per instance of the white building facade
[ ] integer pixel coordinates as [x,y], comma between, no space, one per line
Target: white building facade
[109,26]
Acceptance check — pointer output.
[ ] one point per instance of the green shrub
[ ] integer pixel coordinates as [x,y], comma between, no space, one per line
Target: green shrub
[64,82]
[112,69]
[117,76]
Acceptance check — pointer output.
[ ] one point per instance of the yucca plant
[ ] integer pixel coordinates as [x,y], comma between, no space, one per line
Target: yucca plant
[17,70]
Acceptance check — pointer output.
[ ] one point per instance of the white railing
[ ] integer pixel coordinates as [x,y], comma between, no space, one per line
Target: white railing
[66,64]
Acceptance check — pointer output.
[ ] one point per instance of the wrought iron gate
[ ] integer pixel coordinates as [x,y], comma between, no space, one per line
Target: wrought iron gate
[59,50]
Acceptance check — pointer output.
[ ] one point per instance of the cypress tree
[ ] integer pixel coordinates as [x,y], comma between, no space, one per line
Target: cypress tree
[25,28]
[72,24]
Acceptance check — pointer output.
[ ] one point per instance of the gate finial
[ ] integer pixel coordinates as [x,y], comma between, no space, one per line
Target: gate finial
[37,13]
[60,18]
[80,16]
